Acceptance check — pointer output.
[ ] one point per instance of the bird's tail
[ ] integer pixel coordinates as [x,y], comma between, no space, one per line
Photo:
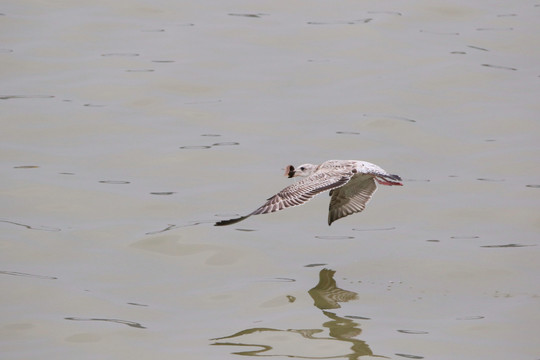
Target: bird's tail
[389,180]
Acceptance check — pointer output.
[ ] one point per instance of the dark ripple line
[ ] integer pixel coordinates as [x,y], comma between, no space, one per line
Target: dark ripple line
[478,317]
[279,279]
[195,147]
[495,29]
[120,54]
[477,48]
[119,321]
[414,332]
[169,227]
[140,70]
[172,226]
[491,180]
[318,60]
[499,67]
[7,97]
[136,304]
[228,143]
[506,246]
[258,15]
[26,167]
[94,105]
[390,117]
[41,227]
[16,273]
[334,237]
[408,356]
[203,147]
[114,182]
[357,317]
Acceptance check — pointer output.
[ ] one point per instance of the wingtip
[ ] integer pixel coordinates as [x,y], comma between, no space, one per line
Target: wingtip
[230,221]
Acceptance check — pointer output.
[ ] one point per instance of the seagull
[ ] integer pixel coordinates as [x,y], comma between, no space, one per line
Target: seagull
[351,184]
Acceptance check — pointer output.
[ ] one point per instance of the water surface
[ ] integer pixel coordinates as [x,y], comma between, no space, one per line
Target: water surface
[128,130]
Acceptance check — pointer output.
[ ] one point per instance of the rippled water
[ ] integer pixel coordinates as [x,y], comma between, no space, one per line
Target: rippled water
[128,130]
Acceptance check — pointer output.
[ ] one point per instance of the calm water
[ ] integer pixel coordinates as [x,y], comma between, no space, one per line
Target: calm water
[128,129]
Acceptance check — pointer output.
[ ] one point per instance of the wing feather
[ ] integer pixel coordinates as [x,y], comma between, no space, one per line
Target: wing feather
[298,193]
[351,198]
[302,191]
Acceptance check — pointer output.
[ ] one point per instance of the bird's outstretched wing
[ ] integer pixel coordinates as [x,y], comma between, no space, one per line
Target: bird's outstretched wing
[351,198]
[298,193]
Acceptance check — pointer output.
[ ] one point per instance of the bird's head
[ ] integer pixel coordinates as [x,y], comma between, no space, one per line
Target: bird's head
[302,170]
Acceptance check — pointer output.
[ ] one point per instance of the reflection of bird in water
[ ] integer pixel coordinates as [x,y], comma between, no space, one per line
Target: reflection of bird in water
[341,328]
[327,295]
[268,341]
[351,184]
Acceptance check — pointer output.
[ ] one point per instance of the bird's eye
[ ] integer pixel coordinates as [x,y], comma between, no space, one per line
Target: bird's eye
[302,168]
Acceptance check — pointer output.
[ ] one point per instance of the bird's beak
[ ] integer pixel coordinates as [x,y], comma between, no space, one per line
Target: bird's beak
[289,171]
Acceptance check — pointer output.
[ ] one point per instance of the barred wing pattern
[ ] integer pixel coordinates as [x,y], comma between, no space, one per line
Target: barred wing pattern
[302,191]
[298,193]
[351,198]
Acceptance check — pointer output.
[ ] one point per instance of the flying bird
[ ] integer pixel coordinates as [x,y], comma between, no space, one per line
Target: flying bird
[351,184]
